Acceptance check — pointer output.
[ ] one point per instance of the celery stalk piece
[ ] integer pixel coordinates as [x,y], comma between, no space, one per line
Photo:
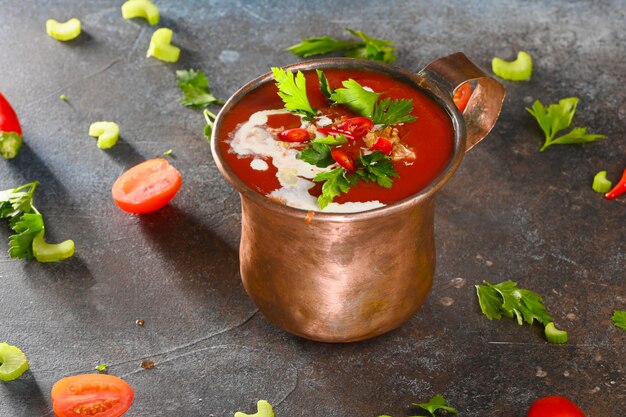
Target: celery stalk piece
[555,335]
[517,70]
[601,184]
[264,409]
[13,362]
[48,252]
[10,144]
[65,31]
[107,133]
[161,47]
[141,8]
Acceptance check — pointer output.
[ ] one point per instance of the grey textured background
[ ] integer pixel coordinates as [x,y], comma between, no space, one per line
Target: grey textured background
[509,213]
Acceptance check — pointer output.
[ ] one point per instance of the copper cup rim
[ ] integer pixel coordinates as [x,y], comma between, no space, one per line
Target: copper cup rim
[416,81]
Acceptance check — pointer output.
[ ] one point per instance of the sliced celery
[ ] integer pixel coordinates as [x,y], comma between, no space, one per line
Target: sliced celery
[519,70]
[47,252]
[65,31]
[161,47]
[264,409]
[141,8]
[107,133]
[555,335]
[13,362]
[10,144]
[601,184]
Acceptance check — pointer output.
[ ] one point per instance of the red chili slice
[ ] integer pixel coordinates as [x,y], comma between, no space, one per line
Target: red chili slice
[462,96]
[343,159]
[382,144]
[294,135]
[334,132]
[356,126]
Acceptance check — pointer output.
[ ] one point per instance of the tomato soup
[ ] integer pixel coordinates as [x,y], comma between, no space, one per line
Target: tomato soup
[250,143]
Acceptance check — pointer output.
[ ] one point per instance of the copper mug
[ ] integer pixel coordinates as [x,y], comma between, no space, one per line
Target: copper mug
[349,277]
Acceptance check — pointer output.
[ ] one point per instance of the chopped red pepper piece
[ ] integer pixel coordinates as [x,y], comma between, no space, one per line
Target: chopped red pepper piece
[10,130]
[294,135]
[619,189]
[356,126]
[382,144]
[334,132]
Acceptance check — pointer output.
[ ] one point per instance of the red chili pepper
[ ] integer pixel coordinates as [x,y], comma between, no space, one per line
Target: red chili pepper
[10,130]
[334,132]
[382,144]
[8,119]
[294,135]
[343,159]
[619,189]
[356,126]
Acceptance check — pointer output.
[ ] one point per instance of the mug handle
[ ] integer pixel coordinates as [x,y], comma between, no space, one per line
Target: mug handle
[485,102]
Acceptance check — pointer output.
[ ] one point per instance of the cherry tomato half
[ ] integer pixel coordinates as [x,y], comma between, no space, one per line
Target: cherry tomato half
[554,406]
[382,144]
[356,126]
[462,96]
[294,135]
[97,395]
[146,187]
[343,159]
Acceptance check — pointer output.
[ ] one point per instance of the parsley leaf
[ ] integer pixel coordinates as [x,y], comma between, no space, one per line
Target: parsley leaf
[324,87]
[619,319]
[373,49]
[377,167]
[16,205]
[336,182]
[557,117]
[293,92]
[437,402]
[318,151]
[321,45]
[506,299]
[365,103]
[367,48]
[391,112]
[356,98]
[195,88]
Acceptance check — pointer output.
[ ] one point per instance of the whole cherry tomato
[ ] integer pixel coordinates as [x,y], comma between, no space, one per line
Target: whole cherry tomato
[356,126]
[343,159]
[462,96]
[554,406]
[294,135]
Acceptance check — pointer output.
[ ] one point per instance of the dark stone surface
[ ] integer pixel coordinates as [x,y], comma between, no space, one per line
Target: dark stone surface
[509,213]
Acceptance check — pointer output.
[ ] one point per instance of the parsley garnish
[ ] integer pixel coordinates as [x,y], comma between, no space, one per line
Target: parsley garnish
[557,117]
[336,182]
[324,87]
[437,402]
[505,299]
[391,112]
[368,48]
[293,92]
[619,319]
[356,98]
[377,167]
[195,88]
[365,103]
[318,151]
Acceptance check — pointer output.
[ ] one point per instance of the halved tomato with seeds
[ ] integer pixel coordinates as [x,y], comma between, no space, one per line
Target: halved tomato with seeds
[97,395]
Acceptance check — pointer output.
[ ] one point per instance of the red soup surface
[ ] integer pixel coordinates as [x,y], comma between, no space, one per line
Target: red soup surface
[430,137]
